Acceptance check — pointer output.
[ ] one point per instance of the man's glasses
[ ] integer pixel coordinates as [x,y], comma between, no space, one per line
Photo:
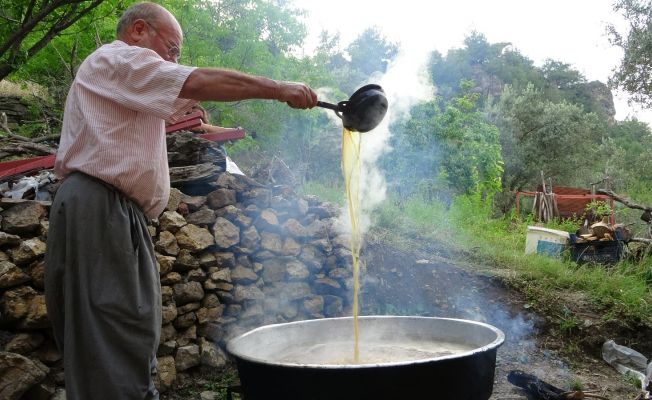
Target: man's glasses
[173,50]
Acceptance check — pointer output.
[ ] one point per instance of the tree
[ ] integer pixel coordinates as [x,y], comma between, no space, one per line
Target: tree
[625,154]
[540,135]
[447,147]
[489,65]
[561,75]
[29,25]
[370,53]
[56,66]
[634,74]
[329,50]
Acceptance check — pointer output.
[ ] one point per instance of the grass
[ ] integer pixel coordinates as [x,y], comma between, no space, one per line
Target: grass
[216,382]
[330,193]
[622,291]
[575,384]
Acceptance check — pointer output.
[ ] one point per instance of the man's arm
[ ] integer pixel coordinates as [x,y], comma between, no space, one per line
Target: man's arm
[226,85]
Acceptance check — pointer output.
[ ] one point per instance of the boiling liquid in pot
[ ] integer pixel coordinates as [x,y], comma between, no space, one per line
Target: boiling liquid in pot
[338,353]
[351,172]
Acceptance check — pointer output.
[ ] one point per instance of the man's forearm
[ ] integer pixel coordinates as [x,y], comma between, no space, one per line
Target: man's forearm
[226,85]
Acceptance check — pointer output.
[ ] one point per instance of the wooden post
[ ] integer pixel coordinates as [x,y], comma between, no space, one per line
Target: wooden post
[518,204]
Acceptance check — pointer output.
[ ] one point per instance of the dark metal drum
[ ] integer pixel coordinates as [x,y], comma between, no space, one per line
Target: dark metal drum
[400,358]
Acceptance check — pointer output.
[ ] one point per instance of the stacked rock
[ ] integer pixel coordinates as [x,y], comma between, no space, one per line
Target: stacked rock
[240,256]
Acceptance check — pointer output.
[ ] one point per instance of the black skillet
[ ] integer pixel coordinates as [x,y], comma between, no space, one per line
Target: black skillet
[363,111]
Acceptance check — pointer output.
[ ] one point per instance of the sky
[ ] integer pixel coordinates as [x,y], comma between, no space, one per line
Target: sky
[569,31]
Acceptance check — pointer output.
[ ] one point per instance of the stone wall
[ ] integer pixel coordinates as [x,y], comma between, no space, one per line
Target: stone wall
[240,256]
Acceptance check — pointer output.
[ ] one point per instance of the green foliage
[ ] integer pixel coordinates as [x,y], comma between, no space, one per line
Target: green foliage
[569,225]
[633,380]
[29,26]
[633,74]
[598,208]
[477,138]
[576,385]
[446,147]
[333,194]
[256,37]
[539,135]
[55,67]
[489,65]
[625,155]
[214,381]
[370,54]
[568,322]
[493,65]
[560,75]
[413,215]
[550,118]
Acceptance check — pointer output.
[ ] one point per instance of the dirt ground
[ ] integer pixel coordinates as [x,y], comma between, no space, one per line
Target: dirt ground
[424,280]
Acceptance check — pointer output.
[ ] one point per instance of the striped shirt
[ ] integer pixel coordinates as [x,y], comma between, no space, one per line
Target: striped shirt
[114,122]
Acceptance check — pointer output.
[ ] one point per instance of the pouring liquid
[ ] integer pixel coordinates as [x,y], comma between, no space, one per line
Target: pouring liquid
[351,172]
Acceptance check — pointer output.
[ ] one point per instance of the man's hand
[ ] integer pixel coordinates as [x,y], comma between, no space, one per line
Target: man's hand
[297,95]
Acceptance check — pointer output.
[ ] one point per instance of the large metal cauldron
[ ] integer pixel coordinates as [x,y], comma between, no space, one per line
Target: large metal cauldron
[400,358]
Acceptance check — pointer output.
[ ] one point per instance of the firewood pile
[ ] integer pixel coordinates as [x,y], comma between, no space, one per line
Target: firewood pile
[16,145]
[545,207]
[602,231]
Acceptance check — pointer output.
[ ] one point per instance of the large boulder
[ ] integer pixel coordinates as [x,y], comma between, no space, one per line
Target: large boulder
[23,218]
[18,374]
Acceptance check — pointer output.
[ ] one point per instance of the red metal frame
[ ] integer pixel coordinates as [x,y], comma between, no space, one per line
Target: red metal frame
[16,167]
[190,121]
[612,218]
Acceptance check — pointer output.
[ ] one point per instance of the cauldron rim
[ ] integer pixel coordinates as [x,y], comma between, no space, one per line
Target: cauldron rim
[497,342]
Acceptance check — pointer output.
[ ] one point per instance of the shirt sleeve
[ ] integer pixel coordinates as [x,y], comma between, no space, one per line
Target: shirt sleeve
[140,80]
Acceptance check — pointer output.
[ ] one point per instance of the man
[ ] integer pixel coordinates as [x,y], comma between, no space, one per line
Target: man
[102,285]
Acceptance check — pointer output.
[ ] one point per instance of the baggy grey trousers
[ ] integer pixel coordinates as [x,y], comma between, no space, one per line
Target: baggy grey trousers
[102,291]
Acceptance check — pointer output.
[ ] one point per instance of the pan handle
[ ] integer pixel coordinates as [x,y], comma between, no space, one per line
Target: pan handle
[330,106]
[339,108]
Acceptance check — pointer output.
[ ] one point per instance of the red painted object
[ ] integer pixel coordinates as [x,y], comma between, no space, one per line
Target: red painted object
[190,121]
[194,120]
[571,202]
[16,167]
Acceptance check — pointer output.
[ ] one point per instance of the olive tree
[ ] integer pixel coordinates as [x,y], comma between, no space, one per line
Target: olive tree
[635,70]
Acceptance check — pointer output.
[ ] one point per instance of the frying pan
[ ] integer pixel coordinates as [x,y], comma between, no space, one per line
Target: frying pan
[363,111]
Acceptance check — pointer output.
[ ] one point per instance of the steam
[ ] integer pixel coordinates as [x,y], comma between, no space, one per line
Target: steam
[405,83]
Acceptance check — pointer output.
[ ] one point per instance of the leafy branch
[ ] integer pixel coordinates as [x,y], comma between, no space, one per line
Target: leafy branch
[51,17]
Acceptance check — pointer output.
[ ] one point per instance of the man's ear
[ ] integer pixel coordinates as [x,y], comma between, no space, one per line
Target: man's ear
[138,30]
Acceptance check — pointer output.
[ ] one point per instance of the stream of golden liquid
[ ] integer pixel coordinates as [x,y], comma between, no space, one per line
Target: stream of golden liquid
[351,172]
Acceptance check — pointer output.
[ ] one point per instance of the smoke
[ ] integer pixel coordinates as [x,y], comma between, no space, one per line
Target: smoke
[405,83]
[478,306]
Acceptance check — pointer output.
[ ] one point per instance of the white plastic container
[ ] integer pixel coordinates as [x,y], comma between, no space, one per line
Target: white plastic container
[545,241]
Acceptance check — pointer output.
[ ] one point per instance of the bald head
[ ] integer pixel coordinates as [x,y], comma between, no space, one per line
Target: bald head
[151,26]
[147,11]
